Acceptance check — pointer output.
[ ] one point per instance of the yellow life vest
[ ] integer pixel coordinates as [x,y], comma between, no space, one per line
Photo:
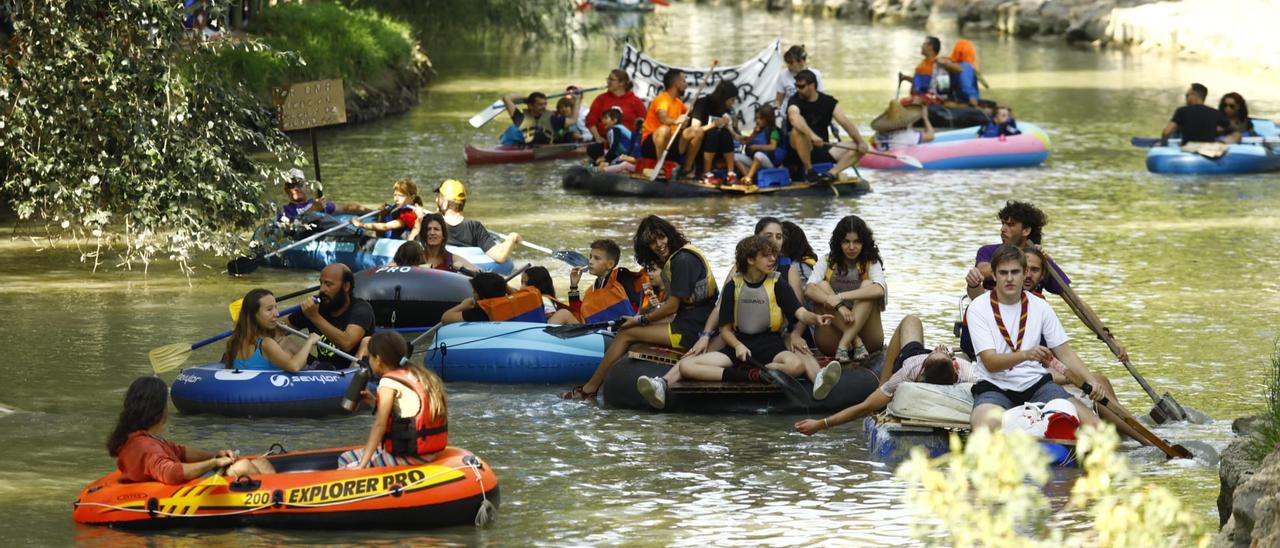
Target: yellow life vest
[704,290]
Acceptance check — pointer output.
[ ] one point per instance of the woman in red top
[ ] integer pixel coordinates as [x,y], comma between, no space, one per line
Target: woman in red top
[618,94]
[142,455]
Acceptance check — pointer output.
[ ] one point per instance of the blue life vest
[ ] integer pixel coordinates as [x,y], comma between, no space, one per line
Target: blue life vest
[965,84]
[512,136]
[619,142]
[779,153]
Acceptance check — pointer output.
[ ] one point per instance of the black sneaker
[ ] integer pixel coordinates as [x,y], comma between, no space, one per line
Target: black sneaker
[789,385]
[819,178]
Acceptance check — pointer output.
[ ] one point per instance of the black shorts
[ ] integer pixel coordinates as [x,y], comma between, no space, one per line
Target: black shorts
[1011,397]
[649,150]
[819,155]
[763,347]
[909,350]
[683,331]
[717,141]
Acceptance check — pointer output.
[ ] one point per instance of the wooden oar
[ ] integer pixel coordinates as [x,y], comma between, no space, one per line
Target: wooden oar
[236,304]
[246,265]
[170,356]
[573,258]
[498,107]
[1172,451]
[675,135]
[906,159]
[1166,408]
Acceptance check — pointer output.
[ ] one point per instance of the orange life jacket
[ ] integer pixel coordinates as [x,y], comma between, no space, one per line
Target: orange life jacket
[611,301]
[524,305]
[416,436]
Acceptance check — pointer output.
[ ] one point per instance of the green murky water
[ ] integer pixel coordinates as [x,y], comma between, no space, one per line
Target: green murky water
[1182,269]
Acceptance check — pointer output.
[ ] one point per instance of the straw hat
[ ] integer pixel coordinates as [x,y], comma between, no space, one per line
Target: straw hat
[897,117]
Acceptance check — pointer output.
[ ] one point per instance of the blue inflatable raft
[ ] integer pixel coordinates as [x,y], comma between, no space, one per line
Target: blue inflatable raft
[211,388]
[511,353]
[891,442]
[1240,159]
[351,248]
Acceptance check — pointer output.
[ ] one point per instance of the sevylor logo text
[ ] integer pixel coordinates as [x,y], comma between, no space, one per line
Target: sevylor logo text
[183,377]
[285,381]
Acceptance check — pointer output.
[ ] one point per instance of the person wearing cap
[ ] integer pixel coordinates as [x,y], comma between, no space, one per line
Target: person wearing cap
[893,127]
[301,202]
[451,198]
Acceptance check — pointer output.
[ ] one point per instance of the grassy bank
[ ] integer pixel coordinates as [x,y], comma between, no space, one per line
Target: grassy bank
[320,40]
[1268,433]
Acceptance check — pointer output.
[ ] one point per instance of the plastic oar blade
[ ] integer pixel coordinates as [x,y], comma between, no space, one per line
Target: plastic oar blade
[572,258]
[570,331]
[1144,142]
[910,160]
[169,357]
[242,265]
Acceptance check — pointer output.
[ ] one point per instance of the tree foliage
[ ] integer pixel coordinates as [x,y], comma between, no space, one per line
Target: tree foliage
[112,133]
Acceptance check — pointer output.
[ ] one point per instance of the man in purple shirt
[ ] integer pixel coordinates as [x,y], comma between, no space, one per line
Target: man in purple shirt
[1020,226]
[300,202]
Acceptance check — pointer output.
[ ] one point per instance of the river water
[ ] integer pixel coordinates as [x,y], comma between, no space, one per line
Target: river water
[1181,268]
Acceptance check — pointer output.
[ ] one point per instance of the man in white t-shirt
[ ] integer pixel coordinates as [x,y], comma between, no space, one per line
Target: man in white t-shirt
[1007,327]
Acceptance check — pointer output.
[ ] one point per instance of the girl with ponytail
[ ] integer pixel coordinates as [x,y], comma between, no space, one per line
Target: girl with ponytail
[411,409]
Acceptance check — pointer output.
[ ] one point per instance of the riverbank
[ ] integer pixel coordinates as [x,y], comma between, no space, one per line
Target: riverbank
[1201,29]
[382,64]
[1249,475]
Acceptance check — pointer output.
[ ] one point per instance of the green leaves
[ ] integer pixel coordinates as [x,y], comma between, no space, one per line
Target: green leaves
[110,129]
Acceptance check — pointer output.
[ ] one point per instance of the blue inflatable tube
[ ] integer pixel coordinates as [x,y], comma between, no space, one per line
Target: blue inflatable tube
[345,246]
[511,353]
[211,388]
[1240,159]
[892,443]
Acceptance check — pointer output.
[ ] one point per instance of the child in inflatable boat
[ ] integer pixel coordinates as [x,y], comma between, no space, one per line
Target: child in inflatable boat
[411,411]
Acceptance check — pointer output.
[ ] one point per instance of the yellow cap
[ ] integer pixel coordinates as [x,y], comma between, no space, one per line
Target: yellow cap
[453,190]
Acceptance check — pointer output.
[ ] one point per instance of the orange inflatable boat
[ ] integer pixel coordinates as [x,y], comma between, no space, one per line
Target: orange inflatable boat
[457,488]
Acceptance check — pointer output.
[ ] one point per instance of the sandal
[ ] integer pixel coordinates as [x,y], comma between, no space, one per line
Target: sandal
[578,394]
[860,353]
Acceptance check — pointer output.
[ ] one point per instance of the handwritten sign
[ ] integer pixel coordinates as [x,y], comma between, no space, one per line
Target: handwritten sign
[306,105]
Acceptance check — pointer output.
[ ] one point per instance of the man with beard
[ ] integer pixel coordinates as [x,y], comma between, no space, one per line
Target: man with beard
[340,319]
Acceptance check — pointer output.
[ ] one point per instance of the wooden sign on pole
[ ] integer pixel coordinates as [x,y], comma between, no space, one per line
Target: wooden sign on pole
[309,105]
[306,105]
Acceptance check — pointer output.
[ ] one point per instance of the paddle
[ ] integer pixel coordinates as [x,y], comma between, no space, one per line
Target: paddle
[569,331]
[170,356]
[1166,408]
[245,265]
[675,135]
[906,159]
[573,258]
[1172,451]
[325,346]
[1148,142]
[498,107]
[236,304]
